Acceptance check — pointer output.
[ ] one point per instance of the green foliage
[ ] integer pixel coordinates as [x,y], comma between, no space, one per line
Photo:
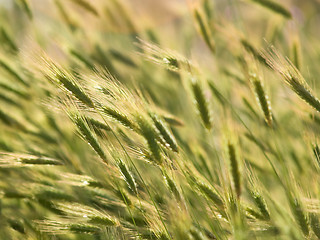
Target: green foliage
[114,115]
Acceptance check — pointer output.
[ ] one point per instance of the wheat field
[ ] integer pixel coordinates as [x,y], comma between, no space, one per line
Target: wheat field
[144,119]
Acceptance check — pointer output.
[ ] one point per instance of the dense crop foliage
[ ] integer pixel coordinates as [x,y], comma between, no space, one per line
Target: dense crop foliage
[144,119]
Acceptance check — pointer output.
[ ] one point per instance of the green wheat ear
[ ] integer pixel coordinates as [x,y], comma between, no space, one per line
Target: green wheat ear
[88,135]
[274,7]
[83,59]
[120,117]
[208,192]
[201,103]
[26,7]
[262,97]
[234,167]
[172,185]
[138,171]
[127,175]
[204,30]
[291,76]
[86,6]
[150,135]
[261,204]
[299,214]
[315,223]
[167,58]
[67,82]
[164,131]
[97,125]
[252,50]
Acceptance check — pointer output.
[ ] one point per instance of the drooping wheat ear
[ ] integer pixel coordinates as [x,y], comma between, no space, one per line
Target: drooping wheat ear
[23,160]
[44,192]
[204,30]
[262,97]
[26,7]
[275,7]
[123,195]
[165,57]
[89,214]
[171,185]
[119,117]
[172,120]
[127,175]
[64,227]
[315,224]
[67,82]
[150,135]
[83,228]
[97,125]
[164,131]
[209,192]
[201,103]
[83,59]
[299,214]
[86,6]
[234,167]
[217,93]
[261,204]
[292,76]
[253,50]
[252,212]
[88,135]
[269,232]
[123,58]
[104,60]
